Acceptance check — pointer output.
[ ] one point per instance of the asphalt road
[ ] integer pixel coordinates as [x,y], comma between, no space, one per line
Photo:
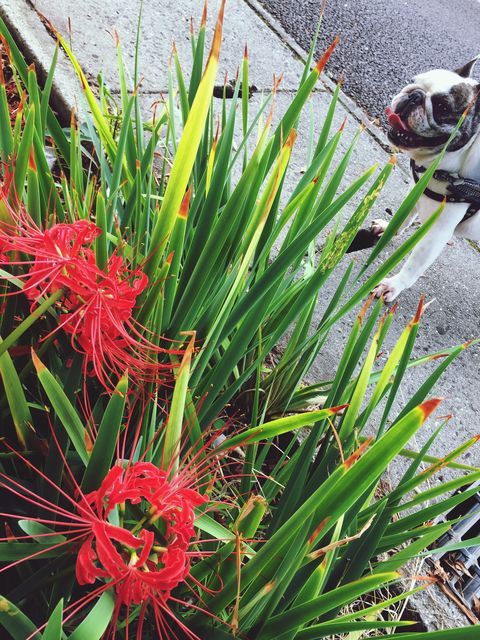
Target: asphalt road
[385,42]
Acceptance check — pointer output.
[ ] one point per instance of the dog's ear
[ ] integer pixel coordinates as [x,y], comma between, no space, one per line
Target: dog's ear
[466,70]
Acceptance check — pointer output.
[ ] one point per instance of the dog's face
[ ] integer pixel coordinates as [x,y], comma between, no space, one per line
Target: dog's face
[423,115]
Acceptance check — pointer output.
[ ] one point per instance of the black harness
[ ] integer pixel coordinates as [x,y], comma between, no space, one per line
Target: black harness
[462,190]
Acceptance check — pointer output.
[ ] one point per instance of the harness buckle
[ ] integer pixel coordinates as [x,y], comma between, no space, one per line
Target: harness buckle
[445,176]
[466,189]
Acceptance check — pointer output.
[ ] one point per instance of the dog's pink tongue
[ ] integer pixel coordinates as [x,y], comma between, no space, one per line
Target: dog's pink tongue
[394,120]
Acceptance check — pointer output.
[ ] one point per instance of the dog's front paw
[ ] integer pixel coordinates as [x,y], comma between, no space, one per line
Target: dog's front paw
[378,226]
[388,289]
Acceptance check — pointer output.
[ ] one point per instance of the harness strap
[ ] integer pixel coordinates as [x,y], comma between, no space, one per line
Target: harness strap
[463,190]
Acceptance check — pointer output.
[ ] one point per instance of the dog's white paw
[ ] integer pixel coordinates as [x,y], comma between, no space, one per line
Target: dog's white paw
[388,289]
[378,226]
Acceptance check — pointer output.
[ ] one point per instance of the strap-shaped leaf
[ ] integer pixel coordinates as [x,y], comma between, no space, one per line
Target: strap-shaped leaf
[95,624]
[330,629]
[15,622]
[16,399]
[308,611]
[173,430]
[464,633]
[63,408]
[14,551]
[107,438]
[186,152]
[277,427]
[53,630]
[22,157]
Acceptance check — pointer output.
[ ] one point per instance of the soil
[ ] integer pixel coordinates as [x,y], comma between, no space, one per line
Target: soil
[6,76]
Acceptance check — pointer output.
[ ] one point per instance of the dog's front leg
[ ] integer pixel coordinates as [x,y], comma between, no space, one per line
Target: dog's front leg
[423,255]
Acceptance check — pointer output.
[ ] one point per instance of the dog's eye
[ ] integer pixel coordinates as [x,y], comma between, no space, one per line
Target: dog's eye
[441,107]
[439,103]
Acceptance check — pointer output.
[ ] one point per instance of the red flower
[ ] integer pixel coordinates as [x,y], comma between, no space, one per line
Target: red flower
[98,315]
[145,563]
[63,256]
[142,558]
[97,306]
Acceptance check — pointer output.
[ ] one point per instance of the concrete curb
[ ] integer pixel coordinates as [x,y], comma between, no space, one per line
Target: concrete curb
[37,46]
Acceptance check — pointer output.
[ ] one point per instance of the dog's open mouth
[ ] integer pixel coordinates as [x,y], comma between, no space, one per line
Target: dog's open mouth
[402,136]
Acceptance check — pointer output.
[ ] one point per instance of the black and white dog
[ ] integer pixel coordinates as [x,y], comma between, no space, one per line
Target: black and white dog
[421,118]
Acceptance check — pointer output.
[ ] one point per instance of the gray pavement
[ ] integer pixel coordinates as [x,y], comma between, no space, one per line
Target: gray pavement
[452,282]
[384,42]
[94,22]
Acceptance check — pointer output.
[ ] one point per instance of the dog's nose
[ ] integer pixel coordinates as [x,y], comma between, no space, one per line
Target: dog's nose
[408,102]
[415,97]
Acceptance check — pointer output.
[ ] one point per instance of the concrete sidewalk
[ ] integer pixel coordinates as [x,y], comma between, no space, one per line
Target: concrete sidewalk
[453,317]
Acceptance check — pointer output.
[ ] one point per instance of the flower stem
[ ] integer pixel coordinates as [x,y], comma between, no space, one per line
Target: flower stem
[12,337]
[139,525]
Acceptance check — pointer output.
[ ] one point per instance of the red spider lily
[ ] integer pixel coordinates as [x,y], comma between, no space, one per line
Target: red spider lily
[97,306]
[142,562]
[148,565]
[134,536]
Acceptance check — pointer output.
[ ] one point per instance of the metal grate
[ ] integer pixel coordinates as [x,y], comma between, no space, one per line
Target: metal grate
[462,568]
